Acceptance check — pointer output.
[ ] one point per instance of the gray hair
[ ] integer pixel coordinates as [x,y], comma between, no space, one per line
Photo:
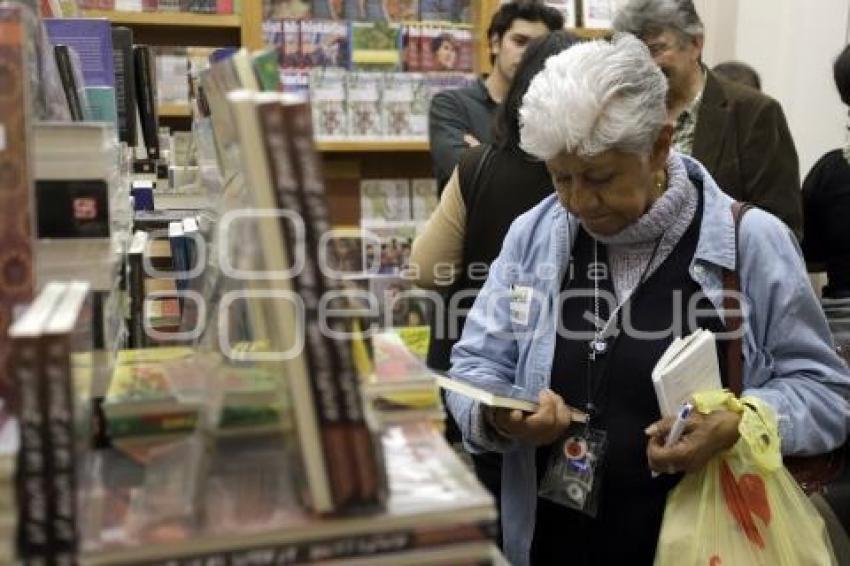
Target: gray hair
[650,17]
[593,97]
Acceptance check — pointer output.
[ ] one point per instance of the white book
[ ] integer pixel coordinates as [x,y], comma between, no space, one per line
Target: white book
[497,394]
[689,365]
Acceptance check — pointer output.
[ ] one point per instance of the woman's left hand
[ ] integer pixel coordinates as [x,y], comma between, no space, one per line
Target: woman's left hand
[703,438]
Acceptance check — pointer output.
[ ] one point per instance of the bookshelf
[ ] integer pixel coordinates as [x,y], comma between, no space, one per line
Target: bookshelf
[369,146]
[168,19]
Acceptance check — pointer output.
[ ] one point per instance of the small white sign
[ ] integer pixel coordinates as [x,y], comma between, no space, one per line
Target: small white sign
[520,304]
[2,137]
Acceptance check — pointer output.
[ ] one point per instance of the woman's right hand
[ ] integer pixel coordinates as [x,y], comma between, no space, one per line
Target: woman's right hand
[544,426]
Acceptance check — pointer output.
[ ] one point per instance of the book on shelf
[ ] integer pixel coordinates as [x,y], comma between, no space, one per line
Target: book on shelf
[17,281]
[423,198]
[144,65]
[92,40]
[287,9]
[125,84]
[72,83]
[363,93]
[375,45]
[385,200]
[266,68]
[404,105]
[436,510]
[44,343]
[324,43]
[328,99]
[136,288]
[688,365]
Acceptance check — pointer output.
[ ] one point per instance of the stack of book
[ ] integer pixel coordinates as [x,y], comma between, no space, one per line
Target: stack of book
[9,444]
[53,407]
[247,512]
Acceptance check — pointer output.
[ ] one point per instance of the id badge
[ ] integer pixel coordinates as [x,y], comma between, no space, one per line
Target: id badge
[574,475]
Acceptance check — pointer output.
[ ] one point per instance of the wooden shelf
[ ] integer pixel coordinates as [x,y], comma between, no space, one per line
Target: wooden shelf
[591,33]
[174,111]
[355,146]
[172,19]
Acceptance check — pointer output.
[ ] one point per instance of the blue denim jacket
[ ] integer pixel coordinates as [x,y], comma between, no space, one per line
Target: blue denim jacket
[788,357]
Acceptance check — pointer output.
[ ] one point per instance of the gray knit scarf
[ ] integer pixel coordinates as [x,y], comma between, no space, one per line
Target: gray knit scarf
[668,218]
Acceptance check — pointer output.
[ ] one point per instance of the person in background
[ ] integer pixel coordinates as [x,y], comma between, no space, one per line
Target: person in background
[739,134]
[738,72]
[474,214]
[461,118]
[826,205]
[444,51]
[583,338]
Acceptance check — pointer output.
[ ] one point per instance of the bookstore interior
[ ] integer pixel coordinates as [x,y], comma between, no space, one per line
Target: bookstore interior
[235,356]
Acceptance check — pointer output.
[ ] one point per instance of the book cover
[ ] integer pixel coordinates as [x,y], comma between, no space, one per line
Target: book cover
[388,245]
[288,42]
[70,82]
[267,70]
[172,75]
[464,41]
[363,93]
[285,9]
[146,96]
[101,104]
[324,43]
[329,9]
[597,14]
[375,45]
[72,208]
[92,40]
[322,440]
[405,105]
[328,103]
[437,10]
[411,60]
[399,303]
[384,200]
[367,452]
[423,198]
[125,84]
[374,10]
[689,365]
[401,10]
[17,212]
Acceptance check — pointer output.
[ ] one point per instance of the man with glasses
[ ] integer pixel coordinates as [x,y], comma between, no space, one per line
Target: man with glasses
[739,134]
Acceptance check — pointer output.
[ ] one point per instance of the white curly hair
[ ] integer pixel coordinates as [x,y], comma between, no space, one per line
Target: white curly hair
[593,97]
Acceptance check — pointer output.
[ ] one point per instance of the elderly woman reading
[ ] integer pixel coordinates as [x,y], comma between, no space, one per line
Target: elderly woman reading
[590,288]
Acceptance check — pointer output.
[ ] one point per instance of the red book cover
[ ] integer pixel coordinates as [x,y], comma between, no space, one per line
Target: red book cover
[224,6]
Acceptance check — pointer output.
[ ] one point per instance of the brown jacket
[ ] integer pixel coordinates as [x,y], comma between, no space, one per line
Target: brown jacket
[743,140]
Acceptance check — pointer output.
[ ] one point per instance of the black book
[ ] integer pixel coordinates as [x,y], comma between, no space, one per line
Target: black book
[65,66]
[146,96]
[125,83]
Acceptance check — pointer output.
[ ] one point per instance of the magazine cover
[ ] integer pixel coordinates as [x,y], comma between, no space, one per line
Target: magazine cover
[437,10]
[345,254]
[465,52]
[286,37]
[410,46]
[327,91]
[324,43]
[363,92]
[384,200]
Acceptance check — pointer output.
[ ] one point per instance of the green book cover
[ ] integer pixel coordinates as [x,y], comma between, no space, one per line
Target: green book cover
[375,45]
[101,105]
[266,67]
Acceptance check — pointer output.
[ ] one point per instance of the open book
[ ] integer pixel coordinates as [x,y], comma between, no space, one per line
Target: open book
[498,394]
[689,365]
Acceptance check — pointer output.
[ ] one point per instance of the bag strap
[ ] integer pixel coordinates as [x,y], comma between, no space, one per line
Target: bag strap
[733,307]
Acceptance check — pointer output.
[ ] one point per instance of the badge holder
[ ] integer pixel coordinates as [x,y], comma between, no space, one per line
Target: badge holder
[574,475]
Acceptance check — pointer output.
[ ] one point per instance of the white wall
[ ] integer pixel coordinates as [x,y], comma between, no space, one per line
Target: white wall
[792,44]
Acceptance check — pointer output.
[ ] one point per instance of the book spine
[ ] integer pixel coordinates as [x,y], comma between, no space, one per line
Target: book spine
[150,425]
[136,288]
[146,96]
[336,442]
[125,84]
[60,453]
[69,83]
[368,458]
[34,539]
[347,547]
[16,214]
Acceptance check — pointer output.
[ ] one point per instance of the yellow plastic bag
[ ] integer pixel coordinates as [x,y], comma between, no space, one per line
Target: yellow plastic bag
[743,508]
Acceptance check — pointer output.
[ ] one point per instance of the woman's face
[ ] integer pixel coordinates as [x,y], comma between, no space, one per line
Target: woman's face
[611,190]
[446,55]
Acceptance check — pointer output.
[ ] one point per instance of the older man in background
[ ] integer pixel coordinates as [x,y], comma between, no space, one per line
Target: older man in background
[739,134]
